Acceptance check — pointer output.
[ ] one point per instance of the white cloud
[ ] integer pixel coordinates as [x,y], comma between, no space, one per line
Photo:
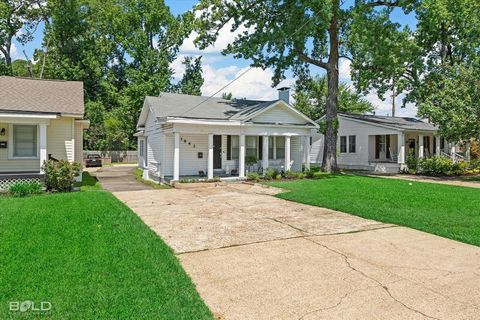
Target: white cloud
[344,70]
[13,52]
[384,107]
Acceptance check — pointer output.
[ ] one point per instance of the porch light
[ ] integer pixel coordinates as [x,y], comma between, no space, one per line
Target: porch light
[2,132]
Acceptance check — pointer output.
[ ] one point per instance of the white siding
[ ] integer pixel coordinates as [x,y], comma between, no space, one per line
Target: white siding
[78,142]
[296,153]
[316,151]
[60,139]
[279,114]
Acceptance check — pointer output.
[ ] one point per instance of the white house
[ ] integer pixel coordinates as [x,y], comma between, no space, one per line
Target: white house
[381,143]
[38,119]
[193,136]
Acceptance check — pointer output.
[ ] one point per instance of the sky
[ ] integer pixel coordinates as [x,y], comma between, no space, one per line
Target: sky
[219,70]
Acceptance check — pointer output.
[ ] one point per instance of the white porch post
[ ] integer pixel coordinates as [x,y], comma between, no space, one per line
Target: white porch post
[287,153]
[274,147]
[401,149]
[468,147]
[241,155]
[210,157]
[306,151]
[176,157]
[437,145]
[421,148]
[265,153]
[42,145]
[452,151]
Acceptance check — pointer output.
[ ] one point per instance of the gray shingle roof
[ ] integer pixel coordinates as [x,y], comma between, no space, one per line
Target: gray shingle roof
[181,105]
[396,122]
[43,96]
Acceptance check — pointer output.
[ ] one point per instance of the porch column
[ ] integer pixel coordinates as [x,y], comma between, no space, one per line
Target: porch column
[306,151]
[468,146]
[265,153]
[421,148]
[274,147]
[452,151]
[176,157]
[42,145]
[210,157]
[437,145]
[401,149]
[287,153]
[241,156]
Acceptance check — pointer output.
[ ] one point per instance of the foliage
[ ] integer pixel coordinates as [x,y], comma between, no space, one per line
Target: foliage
[25,188]
[309,173]
[311,97]
[253,176]
[227,95]
[139,177]
[450,98]
[192,80]
[270,173]
[60,175]
[293,35]
[447,211]
[80,244]
[411,163]
[441,166]
[250,160]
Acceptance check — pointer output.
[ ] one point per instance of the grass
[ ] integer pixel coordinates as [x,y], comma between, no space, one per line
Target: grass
[139,176]
[448,211]
[89,183]
[92,258]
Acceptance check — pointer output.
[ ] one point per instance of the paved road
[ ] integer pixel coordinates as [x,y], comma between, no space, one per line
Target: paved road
[254,256]
[119,178]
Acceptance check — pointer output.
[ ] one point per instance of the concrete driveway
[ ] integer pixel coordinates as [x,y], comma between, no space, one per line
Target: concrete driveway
[254,256]
[118,178]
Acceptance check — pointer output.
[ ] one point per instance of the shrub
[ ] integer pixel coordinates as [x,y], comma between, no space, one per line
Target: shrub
[441,166]
[320,175]
[411,163]
[278,177]
[271,174]
[309,173]
[253,176]
[60,175]
[250,160]
[293,175]
[25,188]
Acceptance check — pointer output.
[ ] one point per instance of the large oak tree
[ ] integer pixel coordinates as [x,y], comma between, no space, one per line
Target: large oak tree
[298,34]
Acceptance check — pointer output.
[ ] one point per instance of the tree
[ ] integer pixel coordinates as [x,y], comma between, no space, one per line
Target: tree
[450,98]
[311,98]
[227,95]
[15,16]
[299,34]
[192,80]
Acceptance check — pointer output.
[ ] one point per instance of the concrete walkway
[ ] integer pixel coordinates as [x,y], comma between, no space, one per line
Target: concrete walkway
[119,178]
[453,181]
[254,256]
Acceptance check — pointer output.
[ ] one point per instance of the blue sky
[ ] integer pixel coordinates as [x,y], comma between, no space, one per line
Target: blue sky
[219,69]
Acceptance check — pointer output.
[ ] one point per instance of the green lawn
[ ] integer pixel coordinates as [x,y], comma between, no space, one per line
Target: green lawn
[92,258]
[139,176]
[89,183]
[449,211]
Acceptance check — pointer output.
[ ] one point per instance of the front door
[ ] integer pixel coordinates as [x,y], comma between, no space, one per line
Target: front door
[217,152]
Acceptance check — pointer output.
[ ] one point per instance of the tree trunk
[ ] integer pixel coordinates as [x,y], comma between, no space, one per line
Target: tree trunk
[331,121]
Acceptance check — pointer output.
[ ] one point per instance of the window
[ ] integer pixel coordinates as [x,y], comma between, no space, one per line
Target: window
[235,147]
[280,147]
[25,141]
[352,144]
[343,144]
[141,147]
[270,147]
[251,143]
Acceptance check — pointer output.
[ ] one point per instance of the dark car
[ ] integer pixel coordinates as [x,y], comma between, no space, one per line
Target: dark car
[93,160]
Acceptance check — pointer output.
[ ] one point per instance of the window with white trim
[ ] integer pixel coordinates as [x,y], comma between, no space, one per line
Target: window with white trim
[343,144]
[235,147]
[280,147]
[251,143]
[352,144]
[25,141]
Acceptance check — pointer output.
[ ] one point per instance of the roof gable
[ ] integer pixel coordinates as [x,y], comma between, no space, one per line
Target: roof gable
[27,95]
[281,113]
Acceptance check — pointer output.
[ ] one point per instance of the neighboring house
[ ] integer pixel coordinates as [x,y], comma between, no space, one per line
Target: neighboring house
[381,143]
[193,136]
[38,119]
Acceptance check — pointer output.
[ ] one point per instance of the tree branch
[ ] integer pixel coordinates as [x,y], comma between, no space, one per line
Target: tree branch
[383,3]
[316,62]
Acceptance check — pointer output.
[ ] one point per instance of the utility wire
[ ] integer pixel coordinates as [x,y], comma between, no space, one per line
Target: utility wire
[241,75]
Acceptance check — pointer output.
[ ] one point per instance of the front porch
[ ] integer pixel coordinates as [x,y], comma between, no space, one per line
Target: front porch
[233,156]
[389,153]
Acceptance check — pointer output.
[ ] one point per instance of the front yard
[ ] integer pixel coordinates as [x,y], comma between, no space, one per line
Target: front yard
[91,257]
[448,211]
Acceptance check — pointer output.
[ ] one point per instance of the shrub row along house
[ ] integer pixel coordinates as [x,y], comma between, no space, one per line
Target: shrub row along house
[183,136]
[39,119]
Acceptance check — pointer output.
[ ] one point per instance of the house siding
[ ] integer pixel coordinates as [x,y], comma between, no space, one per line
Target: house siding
[279,114]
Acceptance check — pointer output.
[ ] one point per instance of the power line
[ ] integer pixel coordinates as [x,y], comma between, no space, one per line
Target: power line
[241,75]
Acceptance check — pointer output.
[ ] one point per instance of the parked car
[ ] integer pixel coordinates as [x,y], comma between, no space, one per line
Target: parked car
[93,160]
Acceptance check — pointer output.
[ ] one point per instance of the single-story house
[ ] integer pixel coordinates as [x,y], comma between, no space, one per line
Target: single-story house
[381,143]
[39,119]
[194,136]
